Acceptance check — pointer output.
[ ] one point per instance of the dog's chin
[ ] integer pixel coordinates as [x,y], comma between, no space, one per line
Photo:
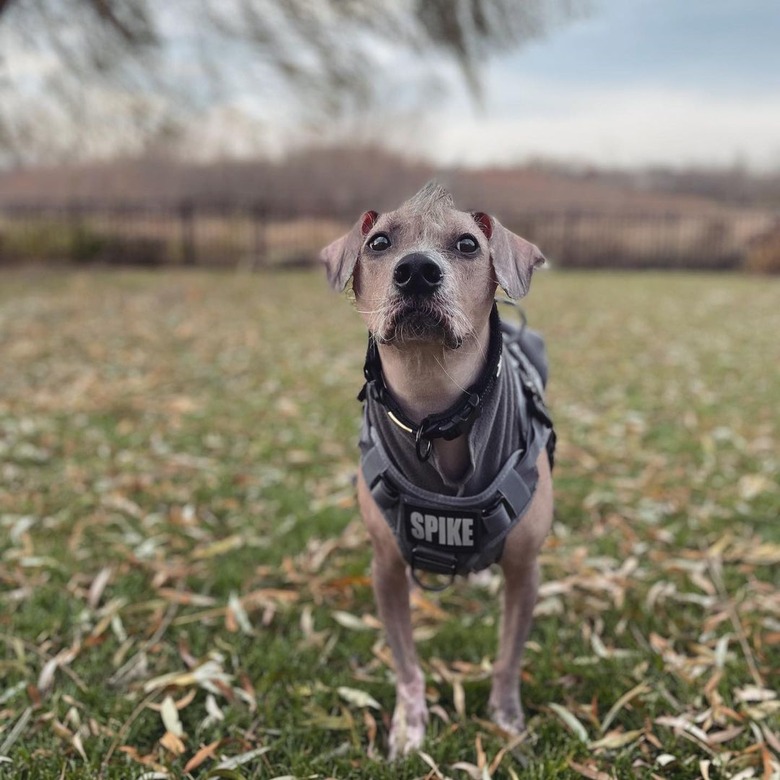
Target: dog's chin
[419,323]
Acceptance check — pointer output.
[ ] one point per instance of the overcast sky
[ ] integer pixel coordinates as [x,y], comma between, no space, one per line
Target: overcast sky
[632,83]
[637,82]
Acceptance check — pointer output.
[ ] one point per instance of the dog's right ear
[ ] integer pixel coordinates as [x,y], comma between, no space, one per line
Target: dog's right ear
[340,256]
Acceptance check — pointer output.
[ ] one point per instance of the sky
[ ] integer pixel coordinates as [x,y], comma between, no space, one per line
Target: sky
[631,83]
[636,82]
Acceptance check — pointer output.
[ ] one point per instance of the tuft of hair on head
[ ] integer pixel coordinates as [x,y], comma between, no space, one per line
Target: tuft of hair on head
[430,198]
[432,203]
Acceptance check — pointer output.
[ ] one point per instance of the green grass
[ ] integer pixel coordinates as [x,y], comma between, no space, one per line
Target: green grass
[176,461]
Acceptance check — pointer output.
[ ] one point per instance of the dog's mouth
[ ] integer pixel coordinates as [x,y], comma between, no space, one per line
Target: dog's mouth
[417,318]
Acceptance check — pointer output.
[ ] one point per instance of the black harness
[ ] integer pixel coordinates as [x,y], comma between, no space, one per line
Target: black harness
[460,534]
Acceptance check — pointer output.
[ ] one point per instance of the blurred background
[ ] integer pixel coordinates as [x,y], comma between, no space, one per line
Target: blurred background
[248,133]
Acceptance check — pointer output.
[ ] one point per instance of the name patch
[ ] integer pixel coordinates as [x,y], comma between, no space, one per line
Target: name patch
[442,528]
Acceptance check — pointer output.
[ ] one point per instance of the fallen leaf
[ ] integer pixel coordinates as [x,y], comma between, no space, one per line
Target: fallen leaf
[588,770]
[236,609]
[170,717]
[98,586]
[350,621]
[358,698]
[570,721]
[616,739]
[472,770]
[637,690]
[202,755]
[242,758]
[459,697]
[172,743]
[432,764]
[752,693]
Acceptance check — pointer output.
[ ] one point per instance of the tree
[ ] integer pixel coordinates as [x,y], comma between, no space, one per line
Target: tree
[85,77]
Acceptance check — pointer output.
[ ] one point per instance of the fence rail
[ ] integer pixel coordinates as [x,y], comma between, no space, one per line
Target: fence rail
[254,236]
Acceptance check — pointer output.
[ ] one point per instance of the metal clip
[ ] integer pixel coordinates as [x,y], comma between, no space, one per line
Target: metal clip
[422,445]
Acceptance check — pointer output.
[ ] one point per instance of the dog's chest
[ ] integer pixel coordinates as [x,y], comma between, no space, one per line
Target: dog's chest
[467,465]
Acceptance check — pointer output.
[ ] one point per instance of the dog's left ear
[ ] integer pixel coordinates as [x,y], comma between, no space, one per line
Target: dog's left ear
[340,256]
[514,259]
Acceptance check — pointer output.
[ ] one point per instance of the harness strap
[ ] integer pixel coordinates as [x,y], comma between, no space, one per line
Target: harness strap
[496,510]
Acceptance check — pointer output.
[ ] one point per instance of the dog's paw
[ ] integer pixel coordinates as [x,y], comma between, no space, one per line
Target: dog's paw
[508,717]
[410,718]
[407,732]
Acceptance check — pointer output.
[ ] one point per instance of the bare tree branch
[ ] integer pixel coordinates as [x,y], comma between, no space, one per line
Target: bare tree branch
[77,73]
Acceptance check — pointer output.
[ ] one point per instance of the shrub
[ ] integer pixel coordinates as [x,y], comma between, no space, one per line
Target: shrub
[763,254]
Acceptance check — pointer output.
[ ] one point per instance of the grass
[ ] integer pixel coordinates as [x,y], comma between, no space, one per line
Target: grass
[184,583]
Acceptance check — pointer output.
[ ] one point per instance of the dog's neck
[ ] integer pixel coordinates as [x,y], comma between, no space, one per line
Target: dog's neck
[429,378]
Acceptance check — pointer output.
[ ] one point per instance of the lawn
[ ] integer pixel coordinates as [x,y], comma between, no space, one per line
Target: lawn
[184,585]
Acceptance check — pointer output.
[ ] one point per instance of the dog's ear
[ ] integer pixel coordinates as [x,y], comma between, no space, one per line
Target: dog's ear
[340,256]
[514,259]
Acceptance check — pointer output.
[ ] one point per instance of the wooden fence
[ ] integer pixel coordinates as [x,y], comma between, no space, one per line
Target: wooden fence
[252,236]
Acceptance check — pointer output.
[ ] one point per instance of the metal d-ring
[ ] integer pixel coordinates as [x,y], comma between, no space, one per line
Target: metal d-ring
[430,588]
[422,445]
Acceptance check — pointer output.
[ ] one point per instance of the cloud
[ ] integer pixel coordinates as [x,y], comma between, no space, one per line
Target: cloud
[615,127]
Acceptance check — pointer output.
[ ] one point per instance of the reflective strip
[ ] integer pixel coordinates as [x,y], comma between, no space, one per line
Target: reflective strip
[398,422]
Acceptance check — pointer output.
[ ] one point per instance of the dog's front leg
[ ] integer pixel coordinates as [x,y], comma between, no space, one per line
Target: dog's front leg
[521,585]
[391,589]
[520,588]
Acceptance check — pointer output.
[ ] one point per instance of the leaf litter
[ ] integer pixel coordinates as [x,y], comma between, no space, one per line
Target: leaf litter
[146,496]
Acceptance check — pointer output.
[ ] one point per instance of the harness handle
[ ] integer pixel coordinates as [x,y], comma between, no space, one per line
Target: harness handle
[435,562]
[431,588]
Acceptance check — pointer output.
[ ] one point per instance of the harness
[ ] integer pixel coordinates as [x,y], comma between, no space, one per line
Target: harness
[461,534]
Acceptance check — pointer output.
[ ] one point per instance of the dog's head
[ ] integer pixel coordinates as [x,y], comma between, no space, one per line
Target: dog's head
[428,272]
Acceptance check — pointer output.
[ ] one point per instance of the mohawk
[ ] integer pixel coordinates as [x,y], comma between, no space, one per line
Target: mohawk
[431,197]
[430,206]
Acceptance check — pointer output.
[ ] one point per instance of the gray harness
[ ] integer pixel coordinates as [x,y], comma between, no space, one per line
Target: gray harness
[461,534]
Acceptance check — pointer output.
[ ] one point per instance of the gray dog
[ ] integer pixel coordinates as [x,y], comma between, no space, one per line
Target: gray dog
[456,444]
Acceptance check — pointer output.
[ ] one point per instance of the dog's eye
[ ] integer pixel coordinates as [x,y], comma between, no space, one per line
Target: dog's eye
[379,242]
[467,244]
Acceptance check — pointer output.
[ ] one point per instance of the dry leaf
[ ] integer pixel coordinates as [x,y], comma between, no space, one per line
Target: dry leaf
[590,771]
[616,739]
[459,697]
[358,698]
[621,702]
[98,586]
[570,721]
[472,770]
[236,609]
[201,755]
[243,758]
[170,717]
[172,743]
[350,621]
[751,693]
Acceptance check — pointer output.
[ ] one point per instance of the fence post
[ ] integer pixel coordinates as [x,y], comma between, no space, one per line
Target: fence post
[259,224]
[187,219]
[75,222]
[571,220]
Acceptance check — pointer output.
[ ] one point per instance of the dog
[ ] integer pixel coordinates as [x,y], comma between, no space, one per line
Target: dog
[456,448]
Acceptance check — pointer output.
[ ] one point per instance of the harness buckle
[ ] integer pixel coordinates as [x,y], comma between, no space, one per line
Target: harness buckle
[384,492]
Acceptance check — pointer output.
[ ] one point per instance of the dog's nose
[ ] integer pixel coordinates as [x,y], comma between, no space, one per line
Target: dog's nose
[417,274]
